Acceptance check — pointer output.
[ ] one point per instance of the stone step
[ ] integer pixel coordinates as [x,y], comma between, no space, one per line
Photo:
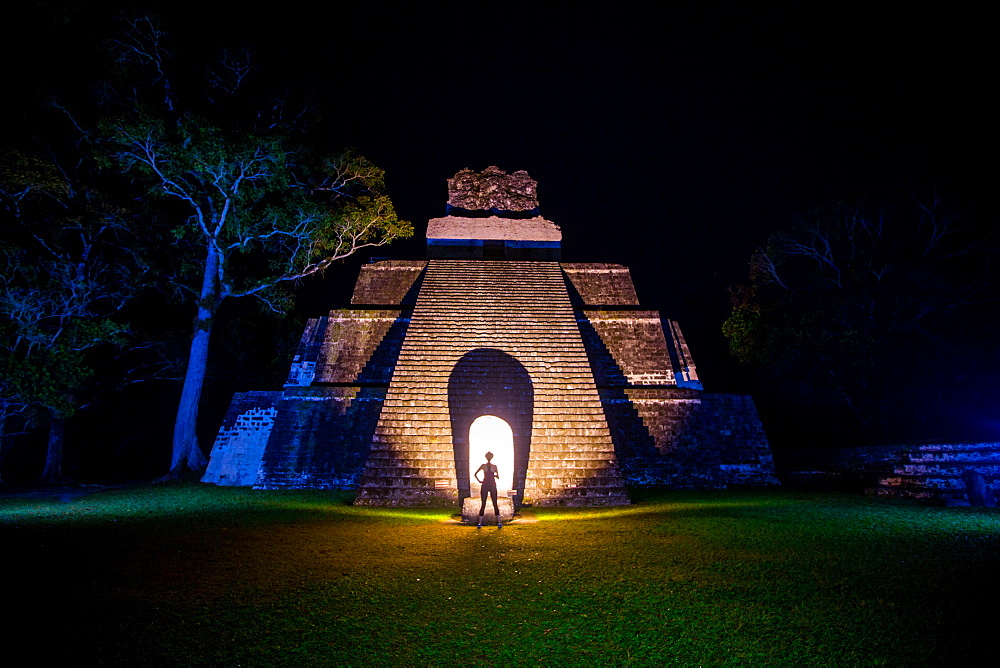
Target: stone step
[934,472]
[942,468]
[522,309]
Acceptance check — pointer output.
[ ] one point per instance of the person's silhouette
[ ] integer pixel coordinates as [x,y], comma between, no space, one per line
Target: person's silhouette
[489,482]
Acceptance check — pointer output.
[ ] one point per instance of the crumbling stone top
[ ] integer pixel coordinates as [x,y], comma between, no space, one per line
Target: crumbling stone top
[494,227]
[492,190]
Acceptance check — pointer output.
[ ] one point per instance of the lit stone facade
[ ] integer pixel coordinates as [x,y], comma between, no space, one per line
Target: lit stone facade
[597,392]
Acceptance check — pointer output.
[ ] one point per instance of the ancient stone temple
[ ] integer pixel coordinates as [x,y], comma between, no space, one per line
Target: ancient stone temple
[585,392]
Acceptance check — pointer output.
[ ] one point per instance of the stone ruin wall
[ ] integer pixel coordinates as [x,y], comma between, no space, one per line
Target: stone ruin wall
[705,439]
[930,472]
[600,284]
[350,346]
[338,381]
[273,440]
[388,282]
[325,430]
[308,420]
[334,394]
[934,472]
[242,439]
[665,434]
[303,367]
[636,342]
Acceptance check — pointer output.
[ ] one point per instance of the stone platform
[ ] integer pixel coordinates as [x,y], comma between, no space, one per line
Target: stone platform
[470,510]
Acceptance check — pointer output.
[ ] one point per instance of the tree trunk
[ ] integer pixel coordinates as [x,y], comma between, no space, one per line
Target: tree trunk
[187,454]
[54,452]
[3,445]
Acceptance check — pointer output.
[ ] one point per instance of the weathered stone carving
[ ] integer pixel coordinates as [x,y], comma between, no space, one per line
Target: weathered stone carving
[492,189]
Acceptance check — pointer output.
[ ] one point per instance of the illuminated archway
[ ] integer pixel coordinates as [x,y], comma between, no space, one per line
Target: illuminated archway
[490,382]
[489,433]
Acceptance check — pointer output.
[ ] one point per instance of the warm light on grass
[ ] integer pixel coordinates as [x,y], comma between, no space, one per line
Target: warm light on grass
[569,513]
[195,575]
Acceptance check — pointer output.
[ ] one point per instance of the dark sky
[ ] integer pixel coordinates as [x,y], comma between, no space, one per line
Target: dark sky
[671,140]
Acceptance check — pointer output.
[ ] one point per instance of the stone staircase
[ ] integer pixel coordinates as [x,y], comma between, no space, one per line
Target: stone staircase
[492,337]
[933,472]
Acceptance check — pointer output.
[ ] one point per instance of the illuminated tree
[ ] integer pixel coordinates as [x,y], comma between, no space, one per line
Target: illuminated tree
[253,206]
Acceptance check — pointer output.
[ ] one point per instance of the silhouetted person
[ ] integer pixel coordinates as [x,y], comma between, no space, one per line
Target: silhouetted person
[489,482]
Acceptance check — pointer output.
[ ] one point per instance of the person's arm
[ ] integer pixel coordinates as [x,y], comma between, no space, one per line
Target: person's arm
[476,475]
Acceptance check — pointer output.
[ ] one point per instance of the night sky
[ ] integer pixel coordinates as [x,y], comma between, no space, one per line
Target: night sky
[673,140]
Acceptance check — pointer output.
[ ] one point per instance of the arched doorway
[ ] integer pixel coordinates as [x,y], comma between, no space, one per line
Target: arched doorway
[488,433]
[489,382]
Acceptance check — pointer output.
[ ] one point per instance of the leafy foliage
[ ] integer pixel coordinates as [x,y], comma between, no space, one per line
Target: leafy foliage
[255,203]
[66,278]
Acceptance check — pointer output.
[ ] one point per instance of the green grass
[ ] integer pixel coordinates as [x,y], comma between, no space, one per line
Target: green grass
[195,575]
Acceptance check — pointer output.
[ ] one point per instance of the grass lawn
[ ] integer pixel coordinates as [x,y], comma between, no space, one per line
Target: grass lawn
[196,575]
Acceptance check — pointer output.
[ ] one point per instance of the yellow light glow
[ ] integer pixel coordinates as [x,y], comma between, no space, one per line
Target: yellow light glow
[489,433]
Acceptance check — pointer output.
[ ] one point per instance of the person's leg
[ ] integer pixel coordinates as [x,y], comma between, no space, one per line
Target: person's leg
[482,504]
[496,508]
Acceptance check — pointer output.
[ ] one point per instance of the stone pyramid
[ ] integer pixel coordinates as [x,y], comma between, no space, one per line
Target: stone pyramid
[597,393]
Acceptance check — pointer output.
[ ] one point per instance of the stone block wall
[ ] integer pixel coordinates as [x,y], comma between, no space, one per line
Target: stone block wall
[242,439]
[717,430]
[389,283]
[595,284]
[636,343]
[932,472]
[303,368]
[302,437]
[350,342]
[323,433]
[320,437]
[685,438]
[666,431]
[319,429]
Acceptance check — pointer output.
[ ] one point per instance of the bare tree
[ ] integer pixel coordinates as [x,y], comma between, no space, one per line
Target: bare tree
[846,299]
